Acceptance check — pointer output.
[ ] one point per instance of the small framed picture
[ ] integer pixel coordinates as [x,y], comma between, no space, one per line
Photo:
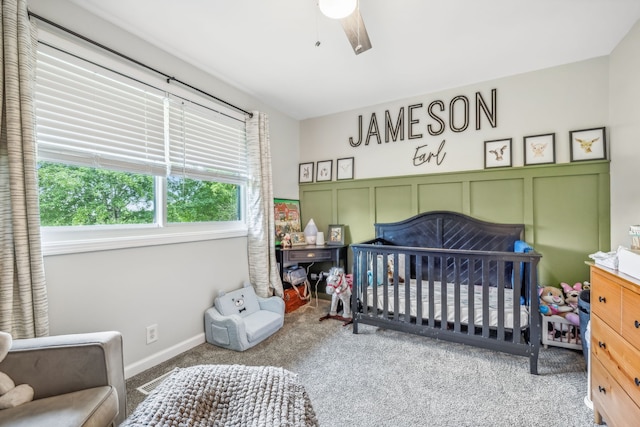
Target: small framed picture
[297,239]
[324,171]
[497,153]
[305,174]
[588,144]
[540,149]
[335,234]
[344,168]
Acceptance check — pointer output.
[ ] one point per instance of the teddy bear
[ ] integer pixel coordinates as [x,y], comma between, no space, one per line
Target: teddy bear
[10,394]
[552,303]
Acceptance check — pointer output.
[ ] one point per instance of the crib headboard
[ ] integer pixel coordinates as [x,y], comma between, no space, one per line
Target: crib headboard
[450,230]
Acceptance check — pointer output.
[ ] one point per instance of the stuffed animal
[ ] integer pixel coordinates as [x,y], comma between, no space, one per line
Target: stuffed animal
[552,303]
[572,294]
[10,394]
[286,241]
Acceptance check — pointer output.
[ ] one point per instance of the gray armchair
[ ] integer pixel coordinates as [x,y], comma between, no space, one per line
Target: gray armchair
[78,380]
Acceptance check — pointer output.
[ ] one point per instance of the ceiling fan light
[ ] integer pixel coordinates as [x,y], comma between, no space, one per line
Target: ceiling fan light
[337,9]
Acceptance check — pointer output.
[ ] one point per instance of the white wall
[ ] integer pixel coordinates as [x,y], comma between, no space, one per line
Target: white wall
[170,285]
[559,99]
[625,135]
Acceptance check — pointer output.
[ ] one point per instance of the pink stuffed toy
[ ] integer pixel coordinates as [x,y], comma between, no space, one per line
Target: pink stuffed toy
[572,294]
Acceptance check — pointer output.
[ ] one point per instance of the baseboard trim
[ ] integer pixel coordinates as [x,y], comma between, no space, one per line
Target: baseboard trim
[162,356]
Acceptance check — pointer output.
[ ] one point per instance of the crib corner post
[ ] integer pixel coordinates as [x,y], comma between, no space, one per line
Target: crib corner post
[533,360]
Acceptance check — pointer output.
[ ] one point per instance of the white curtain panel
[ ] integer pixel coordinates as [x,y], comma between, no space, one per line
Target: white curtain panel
[263,270]
[23,294]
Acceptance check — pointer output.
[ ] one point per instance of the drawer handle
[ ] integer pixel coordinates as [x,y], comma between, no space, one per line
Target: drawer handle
[602,345]
[602,299]
[311,255]
[602,389]
[637,324]
[637,381]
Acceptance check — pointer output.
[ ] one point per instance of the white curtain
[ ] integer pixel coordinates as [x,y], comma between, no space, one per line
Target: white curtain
[23,294]
[263,270]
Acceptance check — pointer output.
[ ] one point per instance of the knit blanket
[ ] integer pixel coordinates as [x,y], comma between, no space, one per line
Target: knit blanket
[226,395]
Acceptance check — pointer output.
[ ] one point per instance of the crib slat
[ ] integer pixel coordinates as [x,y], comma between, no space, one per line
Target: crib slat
[485,297]
[501,308]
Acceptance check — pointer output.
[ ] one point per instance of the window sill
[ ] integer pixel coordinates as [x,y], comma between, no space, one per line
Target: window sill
[63,242]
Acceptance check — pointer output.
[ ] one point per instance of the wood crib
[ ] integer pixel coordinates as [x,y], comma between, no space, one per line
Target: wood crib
[450,276]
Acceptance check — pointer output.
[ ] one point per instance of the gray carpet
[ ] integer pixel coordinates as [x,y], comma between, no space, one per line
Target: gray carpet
[386,378]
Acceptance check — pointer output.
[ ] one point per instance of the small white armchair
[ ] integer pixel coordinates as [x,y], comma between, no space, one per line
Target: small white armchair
[240,319]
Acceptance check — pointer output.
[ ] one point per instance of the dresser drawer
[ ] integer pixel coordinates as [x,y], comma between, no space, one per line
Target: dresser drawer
[605,299]
[617,356]
[308,255]
[630,327]
[610,400]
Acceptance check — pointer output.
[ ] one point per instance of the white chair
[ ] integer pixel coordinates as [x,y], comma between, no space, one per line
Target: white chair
[240,319]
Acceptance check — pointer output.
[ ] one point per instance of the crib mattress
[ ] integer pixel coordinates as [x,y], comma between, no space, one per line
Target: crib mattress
[523,311]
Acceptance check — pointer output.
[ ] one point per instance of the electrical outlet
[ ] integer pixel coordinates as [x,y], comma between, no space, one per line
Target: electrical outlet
[152,334]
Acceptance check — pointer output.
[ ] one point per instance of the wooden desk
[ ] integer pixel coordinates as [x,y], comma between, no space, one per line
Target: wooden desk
[337,254]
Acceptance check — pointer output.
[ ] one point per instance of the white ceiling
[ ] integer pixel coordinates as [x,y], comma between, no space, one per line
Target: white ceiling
[268,47]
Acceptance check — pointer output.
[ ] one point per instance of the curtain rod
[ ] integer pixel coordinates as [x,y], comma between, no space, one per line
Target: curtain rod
[115,52]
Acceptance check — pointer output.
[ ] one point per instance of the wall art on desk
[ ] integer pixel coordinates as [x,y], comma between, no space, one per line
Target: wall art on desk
[335,234]
[540,149]
[497,153]
[588,144]
[305,174]
[324,170]
[298,239]
[344,168]
[286,217]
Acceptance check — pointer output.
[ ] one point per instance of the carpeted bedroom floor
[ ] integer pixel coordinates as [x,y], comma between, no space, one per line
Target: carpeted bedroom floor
[386,378]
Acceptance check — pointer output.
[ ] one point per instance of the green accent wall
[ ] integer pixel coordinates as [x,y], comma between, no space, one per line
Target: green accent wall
[565,207]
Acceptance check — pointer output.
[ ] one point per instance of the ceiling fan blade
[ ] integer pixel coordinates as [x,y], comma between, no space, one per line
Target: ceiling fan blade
[356,32]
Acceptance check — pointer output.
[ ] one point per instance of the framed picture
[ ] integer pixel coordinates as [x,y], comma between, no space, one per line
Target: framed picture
[305,174]
[588,144]
[497,153]
[287,217]
[335,234]
[297,239]
[344,168]
[324,171]
[540,149]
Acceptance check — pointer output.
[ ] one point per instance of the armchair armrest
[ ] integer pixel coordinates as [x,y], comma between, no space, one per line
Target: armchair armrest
[65,363]
[275,304]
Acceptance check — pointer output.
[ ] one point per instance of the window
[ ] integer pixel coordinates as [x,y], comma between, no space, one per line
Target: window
[116,153]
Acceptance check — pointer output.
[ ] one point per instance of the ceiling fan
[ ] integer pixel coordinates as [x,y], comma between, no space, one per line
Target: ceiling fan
[348,12]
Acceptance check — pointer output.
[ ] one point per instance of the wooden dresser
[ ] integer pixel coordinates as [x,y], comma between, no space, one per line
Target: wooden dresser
[615,347]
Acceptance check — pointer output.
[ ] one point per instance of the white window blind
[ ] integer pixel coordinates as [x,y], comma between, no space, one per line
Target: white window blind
[205,144]
[90,116]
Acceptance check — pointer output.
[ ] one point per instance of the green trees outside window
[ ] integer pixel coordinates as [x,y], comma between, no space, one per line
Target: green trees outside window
[74,196]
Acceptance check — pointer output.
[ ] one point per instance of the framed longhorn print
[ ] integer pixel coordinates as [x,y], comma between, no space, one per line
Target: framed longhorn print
[588,144]
[497,153]
[540,149]
[344,168]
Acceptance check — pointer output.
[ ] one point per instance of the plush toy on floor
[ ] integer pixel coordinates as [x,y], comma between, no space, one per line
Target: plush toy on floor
[10,395]
[552,303]
[339,287]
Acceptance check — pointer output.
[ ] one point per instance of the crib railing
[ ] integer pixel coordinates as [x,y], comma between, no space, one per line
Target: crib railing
[387,271]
